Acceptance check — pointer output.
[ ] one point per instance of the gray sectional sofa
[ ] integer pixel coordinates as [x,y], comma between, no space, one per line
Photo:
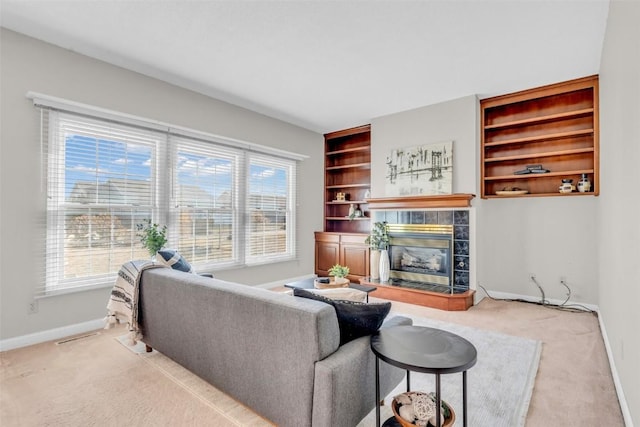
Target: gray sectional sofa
[277,354]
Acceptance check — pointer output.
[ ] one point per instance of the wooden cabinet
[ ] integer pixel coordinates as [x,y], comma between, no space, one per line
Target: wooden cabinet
[347,170]
[555,126]
[345,249]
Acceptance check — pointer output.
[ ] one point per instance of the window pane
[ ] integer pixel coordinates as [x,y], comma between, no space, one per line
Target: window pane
[107,172]
[206,235]
[204,191]
[101,185]
[268,209]
[98,241]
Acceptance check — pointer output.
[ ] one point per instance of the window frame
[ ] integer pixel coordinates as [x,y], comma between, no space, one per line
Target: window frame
[163,193]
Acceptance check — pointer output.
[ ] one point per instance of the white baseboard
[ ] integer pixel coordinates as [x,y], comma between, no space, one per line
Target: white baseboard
[626,414]
[50,334]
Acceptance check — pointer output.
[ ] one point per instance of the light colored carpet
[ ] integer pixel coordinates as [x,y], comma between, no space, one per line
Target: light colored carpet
[499,386]
[95,381]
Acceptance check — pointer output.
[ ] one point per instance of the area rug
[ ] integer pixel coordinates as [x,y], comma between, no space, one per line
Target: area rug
[499,386]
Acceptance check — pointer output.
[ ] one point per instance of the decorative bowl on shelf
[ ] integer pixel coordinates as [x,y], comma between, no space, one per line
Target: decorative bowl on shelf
[446,411]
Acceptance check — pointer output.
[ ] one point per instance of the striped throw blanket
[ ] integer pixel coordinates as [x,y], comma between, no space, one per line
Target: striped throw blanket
[123,303]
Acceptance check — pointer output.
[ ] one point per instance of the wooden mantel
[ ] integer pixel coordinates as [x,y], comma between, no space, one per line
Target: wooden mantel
[458,200]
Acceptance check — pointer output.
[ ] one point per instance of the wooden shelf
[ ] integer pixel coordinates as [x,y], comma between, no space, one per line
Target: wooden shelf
[537,175]
[347,202]
[556,126]
[348,150]
[540,137]
[541,119]
[346,218]
[538,155]
[355,165]
[459,200]
[347,169]
[367,185]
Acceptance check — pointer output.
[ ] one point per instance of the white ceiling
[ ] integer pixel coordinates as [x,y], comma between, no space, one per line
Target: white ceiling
[329,65]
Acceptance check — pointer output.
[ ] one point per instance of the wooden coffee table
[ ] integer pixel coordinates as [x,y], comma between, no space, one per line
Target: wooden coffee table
[308,284]
[422,349]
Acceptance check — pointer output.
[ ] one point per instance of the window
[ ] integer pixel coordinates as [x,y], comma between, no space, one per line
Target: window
[100,185]
[269,208]
[224,205]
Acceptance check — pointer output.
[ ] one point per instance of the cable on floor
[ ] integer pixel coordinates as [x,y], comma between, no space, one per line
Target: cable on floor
[572,308]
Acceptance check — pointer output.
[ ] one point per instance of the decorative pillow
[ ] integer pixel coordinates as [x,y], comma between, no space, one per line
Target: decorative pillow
[172,258]
[355,319]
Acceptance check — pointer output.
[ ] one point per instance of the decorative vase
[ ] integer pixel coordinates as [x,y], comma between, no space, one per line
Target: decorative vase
[374,264]
[584,185]
[384,265]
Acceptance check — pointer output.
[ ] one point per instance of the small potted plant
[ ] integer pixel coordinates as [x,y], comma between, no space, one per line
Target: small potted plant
[152,236]
[339,274]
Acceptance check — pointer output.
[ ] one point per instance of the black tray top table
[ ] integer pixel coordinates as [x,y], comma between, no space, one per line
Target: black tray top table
[422,349]
[309,284]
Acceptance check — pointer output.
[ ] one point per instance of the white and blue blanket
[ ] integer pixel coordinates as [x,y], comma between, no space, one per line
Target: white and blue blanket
[123,302]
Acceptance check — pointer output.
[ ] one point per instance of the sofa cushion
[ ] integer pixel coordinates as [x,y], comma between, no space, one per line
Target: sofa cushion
[172,258]
[355,319]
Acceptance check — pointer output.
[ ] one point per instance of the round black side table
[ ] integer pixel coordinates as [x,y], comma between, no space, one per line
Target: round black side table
[422,349]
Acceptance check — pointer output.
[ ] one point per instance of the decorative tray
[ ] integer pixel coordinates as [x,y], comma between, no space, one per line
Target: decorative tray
[511,192]
[333,283]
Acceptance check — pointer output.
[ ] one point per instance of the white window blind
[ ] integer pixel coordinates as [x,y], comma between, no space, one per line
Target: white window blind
[226,202]
[269,209]
[100,184]
[205,194]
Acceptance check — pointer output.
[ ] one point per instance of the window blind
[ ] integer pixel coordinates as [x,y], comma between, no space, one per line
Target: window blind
[269,208]
[205,216]
[100,185]
[225,205]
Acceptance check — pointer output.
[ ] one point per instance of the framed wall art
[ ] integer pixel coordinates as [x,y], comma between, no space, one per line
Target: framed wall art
[420,170]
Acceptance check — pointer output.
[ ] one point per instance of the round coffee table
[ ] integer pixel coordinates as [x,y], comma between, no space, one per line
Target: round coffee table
[422,349]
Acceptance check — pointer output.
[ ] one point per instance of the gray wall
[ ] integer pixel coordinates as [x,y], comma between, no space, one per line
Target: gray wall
[31,65]
[618,207]
[559,232]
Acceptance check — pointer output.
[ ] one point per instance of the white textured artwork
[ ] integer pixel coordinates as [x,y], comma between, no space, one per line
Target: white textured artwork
[420,170]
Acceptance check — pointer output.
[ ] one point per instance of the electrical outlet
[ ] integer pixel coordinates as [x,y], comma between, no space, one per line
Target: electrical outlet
[33,307]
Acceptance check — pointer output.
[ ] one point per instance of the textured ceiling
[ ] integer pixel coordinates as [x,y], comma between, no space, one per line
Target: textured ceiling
[329,65]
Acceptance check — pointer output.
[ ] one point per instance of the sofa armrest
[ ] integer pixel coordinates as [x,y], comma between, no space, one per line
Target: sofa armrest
[344,386]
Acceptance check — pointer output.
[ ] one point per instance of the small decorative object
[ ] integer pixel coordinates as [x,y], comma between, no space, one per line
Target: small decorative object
[511,191]
[567,186]
[352,211]
[358,212]
[367,194]
[341,197]
[384,265]
[418,409]
[374,264]
[339,274]
[584,185]
[152,236]
[377,240]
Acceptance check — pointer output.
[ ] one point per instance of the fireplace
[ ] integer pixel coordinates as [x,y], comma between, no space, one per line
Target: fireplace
[421,257]
[430,250]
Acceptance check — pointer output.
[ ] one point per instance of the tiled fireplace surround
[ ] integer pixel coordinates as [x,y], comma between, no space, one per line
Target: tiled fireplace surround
[459,218]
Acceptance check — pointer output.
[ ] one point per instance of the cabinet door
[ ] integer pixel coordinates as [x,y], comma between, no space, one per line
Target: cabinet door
[356,257]
[327,255]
